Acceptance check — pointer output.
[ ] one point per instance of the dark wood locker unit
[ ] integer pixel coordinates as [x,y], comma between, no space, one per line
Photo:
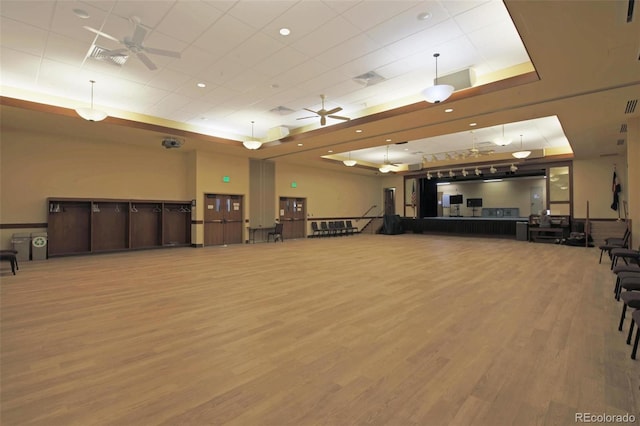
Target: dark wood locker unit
[176,224]
[69,230]
[82,226]
[146,224]
[109,226]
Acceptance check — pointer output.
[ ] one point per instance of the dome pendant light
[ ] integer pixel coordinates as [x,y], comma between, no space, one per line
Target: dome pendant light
[438,92]
[91,114]
[252,143]
[349,162]
[521,154]
[502,141]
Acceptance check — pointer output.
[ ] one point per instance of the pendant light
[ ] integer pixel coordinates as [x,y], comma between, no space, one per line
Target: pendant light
[252,143]
[91,114]
[386,167]
[521,154]
[349,162]
[502,141]
[438,92]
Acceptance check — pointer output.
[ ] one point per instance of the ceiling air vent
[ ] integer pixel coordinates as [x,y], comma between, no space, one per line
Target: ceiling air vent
[105,55]
[631,106]
[369,78]
[623,128]
[281,110]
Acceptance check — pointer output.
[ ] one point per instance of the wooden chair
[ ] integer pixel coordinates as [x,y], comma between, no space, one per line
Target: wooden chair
[276,233]
[10,255]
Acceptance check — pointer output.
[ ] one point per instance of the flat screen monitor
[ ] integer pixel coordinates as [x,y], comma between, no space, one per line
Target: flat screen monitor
[474,202]
[455,199]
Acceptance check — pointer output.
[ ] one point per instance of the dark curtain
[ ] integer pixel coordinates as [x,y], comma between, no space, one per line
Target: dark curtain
[428,198]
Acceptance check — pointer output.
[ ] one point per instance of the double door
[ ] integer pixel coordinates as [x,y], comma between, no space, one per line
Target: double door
[222,219]
[292,217]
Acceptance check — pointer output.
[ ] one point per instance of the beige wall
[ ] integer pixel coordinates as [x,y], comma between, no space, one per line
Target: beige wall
[329,193]
[33,168]
[210,168]
[592,180]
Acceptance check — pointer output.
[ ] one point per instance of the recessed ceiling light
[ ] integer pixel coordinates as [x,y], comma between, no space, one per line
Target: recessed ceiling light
[275,86]
[299,144]
[358,130]
[448,110]
[424,16]
[80,13]
[387,140]
[473,124]
[330,150]
[201,85]
[285,31]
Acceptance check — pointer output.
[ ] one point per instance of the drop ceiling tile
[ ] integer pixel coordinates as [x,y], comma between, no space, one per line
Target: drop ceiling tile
[370,62]
[334,32]
[368,14]
[297,20]
[24,72]
[35,13]
[149,15]
[255,50]
[23,37]
[224,36]
[199,15]
[281,61]
[426,41]
[344,52]
[257,13]
[65,49]
[193,61]
[165,78]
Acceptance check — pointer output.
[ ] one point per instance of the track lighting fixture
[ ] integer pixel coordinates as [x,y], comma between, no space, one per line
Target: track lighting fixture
[513,168]
[452,173]
[439,175]
[477,171]
[464,172]
[429,175]
[493,169]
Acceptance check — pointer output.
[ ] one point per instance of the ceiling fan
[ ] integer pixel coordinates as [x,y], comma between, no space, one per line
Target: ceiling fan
[323,113]
[134,44]
[476,152]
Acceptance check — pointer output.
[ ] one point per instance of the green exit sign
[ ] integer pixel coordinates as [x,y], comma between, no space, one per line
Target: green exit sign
[226,179]
[294,184]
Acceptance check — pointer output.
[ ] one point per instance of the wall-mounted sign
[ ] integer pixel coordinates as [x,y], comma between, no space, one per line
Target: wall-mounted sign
[294,184]
[226,179]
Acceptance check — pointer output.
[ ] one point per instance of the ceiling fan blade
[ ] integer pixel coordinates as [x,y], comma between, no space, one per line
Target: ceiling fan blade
[145,60]
[339,117]
[100,33]
[304,118]
[162,52]
[310,110]
[139,34]
[323,120]
[333,111]
[119,52]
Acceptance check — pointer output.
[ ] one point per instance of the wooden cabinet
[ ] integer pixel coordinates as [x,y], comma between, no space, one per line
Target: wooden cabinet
[82,226]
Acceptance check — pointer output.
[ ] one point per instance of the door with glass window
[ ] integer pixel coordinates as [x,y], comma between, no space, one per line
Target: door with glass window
[293,217]
[222,219]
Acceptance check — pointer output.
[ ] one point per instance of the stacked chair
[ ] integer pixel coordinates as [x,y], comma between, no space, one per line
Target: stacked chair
[627,283]
[332,229]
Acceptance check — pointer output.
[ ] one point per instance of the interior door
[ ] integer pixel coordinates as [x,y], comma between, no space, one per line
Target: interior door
[299,216]
[390,201]
[222,219]
[286,217]
[233,219]
[213,220]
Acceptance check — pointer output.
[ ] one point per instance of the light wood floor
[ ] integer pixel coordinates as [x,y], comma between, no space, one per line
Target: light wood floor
[370,329]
